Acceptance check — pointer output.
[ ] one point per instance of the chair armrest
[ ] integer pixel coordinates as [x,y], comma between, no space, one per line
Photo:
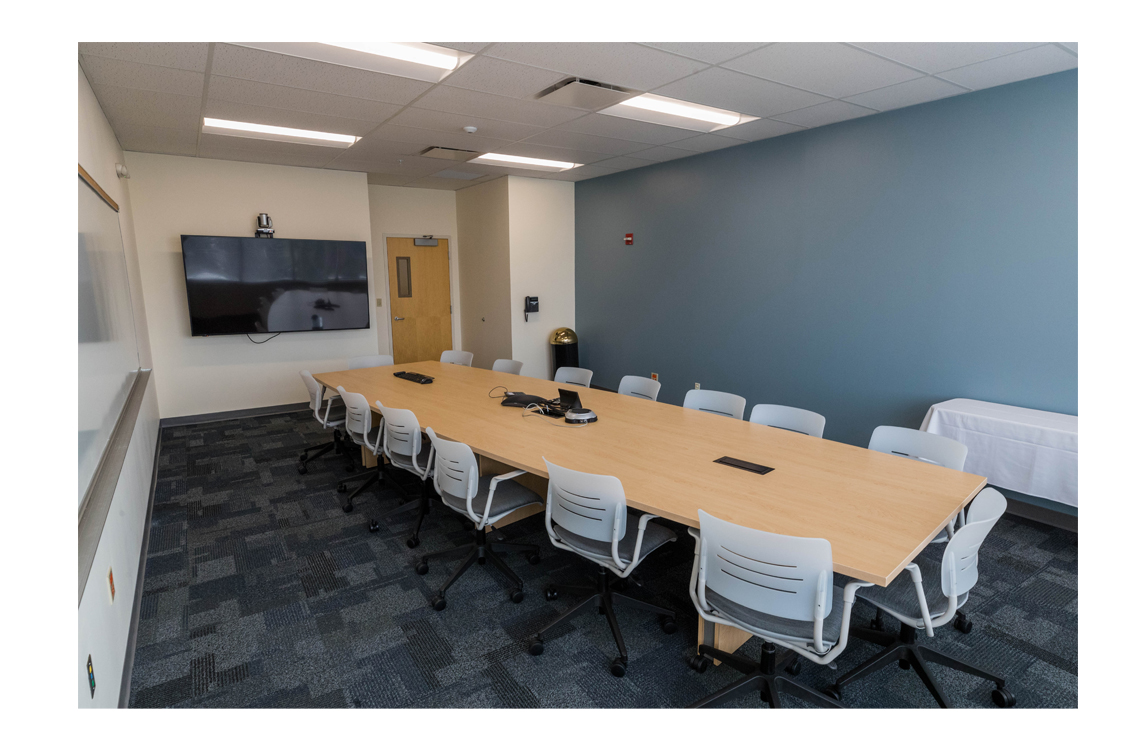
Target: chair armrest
[916,577]
[639,541]
[494,482]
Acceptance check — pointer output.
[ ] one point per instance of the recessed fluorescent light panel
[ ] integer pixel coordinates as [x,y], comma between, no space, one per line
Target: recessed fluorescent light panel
[662,110]
[275,133]
[423,62]
[525,162]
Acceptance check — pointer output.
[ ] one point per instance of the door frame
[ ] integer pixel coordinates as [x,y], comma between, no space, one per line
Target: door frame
[387,316]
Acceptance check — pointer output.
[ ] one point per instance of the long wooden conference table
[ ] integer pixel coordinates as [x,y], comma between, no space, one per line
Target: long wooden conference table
[878,511]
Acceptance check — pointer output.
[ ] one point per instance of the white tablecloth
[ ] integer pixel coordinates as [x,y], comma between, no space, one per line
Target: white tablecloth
[1029,451]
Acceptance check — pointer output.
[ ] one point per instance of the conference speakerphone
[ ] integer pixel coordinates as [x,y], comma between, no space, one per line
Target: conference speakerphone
[415,377]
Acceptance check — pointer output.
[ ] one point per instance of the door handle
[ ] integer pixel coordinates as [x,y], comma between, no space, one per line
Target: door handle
[398,318]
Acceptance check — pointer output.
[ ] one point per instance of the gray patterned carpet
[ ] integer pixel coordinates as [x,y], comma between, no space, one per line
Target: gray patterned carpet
[259,591]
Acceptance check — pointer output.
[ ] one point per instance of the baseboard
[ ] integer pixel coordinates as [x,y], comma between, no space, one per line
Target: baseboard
[1058,519]
[220,416]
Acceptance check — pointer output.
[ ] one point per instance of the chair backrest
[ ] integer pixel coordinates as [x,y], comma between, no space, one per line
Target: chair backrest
[315,391]
[456,357]
[788,418]
[371,360]
[715,402]
[589,505]
[920,446]
[457,472]
[961,551]
[573,375]
[358,415]
[634,385]
[401,431]
[511,366]
[783,576]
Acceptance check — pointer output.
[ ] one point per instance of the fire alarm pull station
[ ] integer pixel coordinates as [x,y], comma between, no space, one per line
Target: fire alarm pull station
[628,239]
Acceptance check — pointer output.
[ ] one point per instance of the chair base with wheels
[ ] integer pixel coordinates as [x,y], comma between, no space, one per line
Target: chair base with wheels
[337,445]
[603,595]
[481,551]
[422,505]
[367,479]
[904,649]
[772,676]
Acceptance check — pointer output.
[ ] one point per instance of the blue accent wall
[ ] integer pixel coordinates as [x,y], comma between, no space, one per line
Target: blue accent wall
[864,270]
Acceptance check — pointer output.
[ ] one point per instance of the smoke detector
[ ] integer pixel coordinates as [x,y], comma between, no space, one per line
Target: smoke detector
[470,129]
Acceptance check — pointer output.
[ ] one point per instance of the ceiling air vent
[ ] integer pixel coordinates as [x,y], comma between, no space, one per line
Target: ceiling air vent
[451,154]
[585,94]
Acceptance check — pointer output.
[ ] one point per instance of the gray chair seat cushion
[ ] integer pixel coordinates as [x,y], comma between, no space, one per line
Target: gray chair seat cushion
[901,598]
[655,535]
[508,496]
[787,629]
[404,460]
[337,413]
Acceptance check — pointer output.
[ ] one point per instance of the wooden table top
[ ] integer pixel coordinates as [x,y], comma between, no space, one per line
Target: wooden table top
[878,511]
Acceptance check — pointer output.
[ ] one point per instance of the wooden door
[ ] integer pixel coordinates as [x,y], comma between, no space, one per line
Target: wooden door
[419,300]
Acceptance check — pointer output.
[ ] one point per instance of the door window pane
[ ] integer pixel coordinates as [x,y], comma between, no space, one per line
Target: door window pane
[403,277]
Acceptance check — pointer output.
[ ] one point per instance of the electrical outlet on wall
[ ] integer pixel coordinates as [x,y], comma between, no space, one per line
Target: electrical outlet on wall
[378,301]
[697,387]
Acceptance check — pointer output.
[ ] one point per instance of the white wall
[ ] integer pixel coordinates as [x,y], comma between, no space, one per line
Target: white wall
[176,195]
[541,265]
[484,273]
[412,212]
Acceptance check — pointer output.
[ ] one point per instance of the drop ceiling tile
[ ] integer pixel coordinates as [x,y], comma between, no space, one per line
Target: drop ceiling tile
[585,142]
[717,87]
[477,104]
[383,179]
[212,143]
[302,100]
[578,174]
[906,94]
[618,63]
[1073,46]
[393,132]
[620,163]
[457,174]
[538,151]
[933,57]
[828,68]
[152,108]
[439,183]
[285,118]
[373,146]
[264,157]
[185,56]
[500,77]
[759,130]
[403,166]
[707,142]
[825,114]
[156,140]
[664,153]
[711,52]
[131,75]
[473,47]
[1038,61]
[625,129]
[427,119]
[284,70]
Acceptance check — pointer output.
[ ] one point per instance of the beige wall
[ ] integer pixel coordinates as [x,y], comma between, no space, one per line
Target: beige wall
[412,212]
[541,265]
[176,195]
[484,272]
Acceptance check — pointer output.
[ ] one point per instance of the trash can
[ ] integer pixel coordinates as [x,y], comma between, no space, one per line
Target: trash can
[564,343]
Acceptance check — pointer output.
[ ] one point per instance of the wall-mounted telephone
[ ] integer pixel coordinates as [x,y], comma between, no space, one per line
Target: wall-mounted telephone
[531,307]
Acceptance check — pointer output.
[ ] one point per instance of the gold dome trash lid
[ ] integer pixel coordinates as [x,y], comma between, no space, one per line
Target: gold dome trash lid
[563,336]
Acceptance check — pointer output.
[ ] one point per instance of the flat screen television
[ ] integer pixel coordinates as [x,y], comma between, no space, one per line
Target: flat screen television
[240,285]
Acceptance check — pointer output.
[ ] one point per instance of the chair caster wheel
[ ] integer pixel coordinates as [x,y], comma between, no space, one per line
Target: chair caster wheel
[533,558]
[439,604]
[482,561]
[537,647]
[301,468]
[413,542]
[700,663]
[1003,698]
[551,593]
[374,527]
[834,692]
[347,508]
[517,596]
[765,696]
[669,626]
[794,668]
[422,567]
[342,488]
[904,664]
[963,624]
[619,667]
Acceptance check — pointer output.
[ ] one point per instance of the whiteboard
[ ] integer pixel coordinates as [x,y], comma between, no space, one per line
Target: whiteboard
[108,361]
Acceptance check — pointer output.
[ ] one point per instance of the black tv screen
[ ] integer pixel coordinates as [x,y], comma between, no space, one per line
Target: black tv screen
[242,285]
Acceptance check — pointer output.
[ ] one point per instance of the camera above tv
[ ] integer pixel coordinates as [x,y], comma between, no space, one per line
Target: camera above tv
[239,285]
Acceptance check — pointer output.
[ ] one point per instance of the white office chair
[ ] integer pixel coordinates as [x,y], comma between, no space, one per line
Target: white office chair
[484,501]
[359,427]
[778,588]
[456,357]
[511,366]
[715,402]
[788,418]
[634,385]
[372,360]
[926,595]
[587,515]
[403,447]
[327,414]
[573,376]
